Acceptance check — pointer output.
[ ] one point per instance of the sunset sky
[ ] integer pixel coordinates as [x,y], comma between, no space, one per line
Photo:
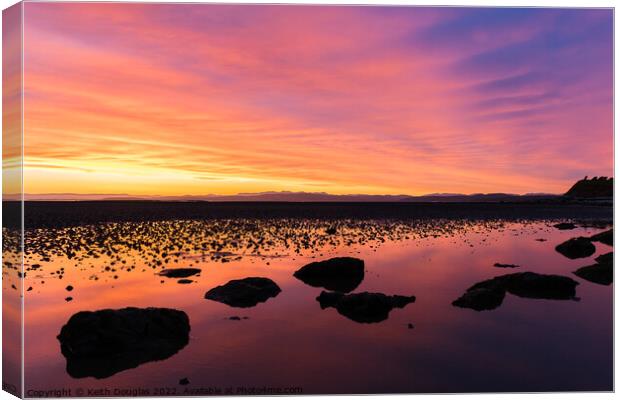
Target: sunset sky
[155,99]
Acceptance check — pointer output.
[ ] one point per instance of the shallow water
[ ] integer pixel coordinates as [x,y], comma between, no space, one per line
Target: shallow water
[289,342]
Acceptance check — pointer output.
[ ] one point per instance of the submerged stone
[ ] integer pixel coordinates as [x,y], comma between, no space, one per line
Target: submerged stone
[565,226]
[489,294]
[539,286]
[602,272]
[579,247]
[481,299]
[341,274]
[179,272]
[606,237]
[247,292]
[363,307]
[498,265]
[102,343]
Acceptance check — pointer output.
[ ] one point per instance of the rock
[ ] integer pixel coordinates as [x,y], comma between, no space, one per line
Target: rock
[602,272]
[606,237]
[538,286]
[409,326]
[179,272]
[67,299]
[481,299]
[485,295]
[579,247]
[246,292]
[234,318]
[563,226]
[185,281]
[489,294]
[184,381]
[363,307]
[498,265]
[341,274]
[597,273]
[69,288]
[102,343]
[607,258]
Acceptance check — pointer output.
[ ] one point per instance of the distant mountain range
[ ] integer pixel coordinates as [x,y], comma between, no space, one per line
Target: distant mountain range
[298,197]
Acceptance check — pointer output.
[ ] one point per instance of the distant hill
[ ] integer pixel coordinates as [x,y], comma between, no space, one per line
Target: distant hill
[481,198]
[597,187]
[304,197]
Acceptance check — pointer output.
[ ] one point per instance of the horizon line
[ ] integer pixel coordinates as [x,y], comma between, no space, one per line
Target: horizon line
[244,195]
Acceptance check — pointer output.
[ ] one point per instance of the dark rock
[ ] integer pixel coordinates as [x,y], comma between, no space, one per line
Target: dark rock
[235,318]
[69,288]
[410,326]
[68,298]
[579,247]
[563,226]
[246,292]
[341,274]
[485,295]
[489,294]
[498,265]
[179,272]
[331,230]
[606,237]
[184,381]
[363,307]
[185,281]
[481,299]
[101,343]
[607,258]
[602,272]
[538,286]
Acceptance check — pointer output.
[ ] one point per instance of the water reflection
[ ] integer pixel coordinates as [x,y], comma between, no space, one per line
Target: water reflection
[289,339]
[363,307]
[102,343]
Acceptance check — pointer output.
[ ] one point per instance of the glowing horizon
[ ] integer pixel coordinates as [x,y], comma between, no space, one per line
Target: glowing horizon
[190,99]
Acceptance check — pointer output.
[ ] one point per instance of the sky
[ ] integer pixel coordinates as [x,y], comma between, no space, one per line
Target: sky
[190,99]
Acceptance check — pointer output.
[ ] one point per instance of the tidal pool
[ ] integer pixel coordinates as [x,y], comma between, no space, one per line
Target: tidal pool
[288,343]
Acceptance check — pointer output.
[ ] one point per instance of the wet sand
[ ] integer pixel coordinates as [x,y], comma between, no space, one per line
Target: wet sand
[62,213]
[298,337]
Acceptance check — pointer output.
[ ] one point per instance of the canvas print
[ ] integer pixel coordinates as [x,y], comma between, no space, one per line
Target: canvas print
[227,199]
